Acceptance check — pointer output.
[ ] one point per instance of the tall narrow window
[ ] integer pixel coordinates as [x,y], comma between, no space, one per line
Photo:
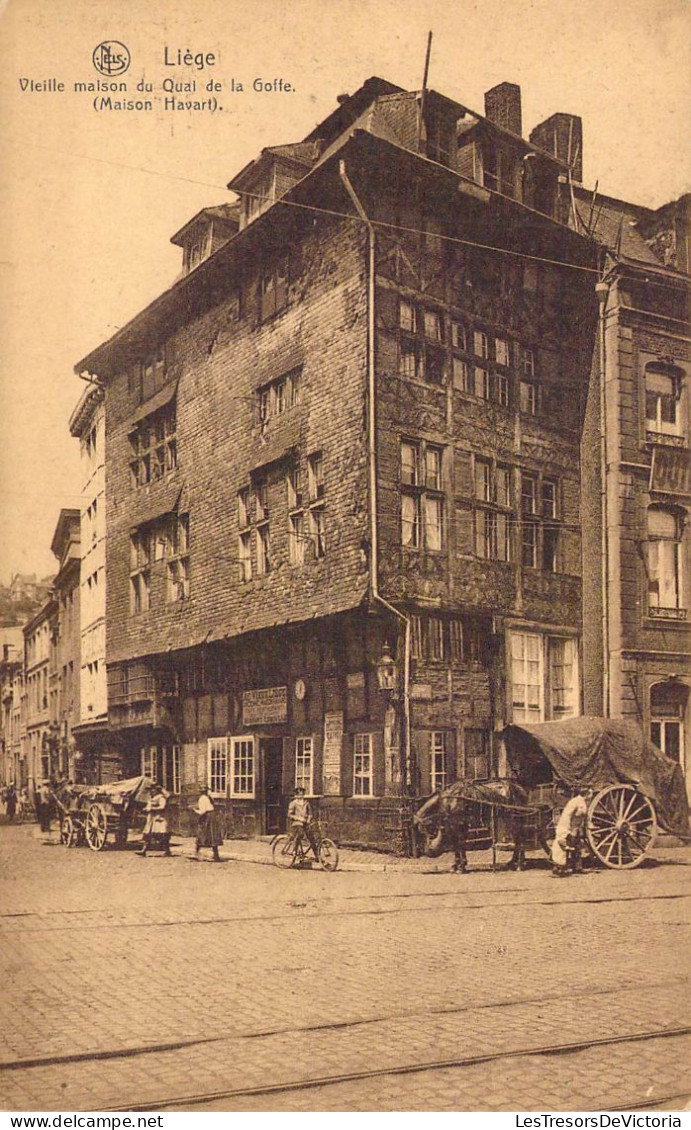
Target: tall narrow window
[217,753]
[363,783]
[244,535]
[665,578]
[438,760]
[242,767]
[527,676]
[304,764]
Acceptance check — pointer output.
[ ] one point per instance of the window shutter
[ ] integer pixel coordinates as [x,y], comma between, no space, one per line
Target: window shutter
[463,477]
[387,309]
[378,763]
[420,741]
[464,531]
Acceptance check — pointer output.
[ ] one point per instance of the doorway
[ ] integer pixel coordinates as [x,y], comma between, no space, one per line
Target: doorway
[271,750]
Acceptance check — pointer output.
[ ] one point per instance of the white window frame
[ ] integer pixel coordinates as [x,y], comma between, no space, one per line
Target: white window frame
[217,766]
[363,766]
[304,764]
[437,748]
[527,710]
[236,744]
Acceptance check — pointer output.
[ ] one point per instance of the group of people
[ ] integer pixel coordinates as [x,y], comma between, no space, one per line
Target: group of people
[18,804]
[157,831]
[156,834]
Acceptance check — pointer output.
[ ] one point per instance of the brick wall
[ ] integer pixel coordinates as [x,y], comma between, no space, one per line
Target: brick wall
[219,361]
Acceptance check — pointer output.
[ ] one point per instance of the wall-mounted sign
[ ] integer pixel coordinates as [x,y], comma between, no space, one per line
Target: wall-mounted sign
[266,706]
[299,689]
[420,690]
[671,470]
[333,742]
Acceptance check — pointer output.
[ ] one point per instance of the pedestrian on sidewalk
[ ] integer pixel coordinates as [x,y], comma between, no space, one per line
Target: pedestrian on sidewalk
[209,826]
[568,837]
[156,836]
[44,806]
[11,802]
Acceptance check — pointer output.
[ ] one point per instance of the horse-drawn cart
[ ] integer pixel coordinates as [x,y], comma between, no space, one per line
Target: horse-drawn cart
[631,788]
[89,814]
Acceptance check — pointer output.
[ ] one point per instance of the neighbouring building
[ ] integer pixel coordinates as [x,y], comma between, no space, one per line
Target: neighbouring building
[342,468]
[637,475]
[97,753]
[65,655]
[35,708]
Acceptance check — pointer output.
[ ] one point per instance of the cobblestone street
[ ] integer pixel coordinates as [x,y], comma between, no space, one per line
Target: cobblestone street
[170,984]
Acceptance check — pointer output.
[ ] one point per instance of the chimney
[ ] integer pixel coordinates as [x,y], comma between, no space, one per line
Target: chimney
[503,106]
[562,137]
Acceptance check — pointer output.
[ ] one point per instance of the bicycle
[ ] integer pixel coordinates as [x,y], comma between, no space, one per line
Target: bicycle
[292,850]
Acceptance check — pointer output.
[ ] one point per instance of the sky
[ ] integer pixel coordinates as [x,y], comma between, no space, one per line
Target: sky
[89,199]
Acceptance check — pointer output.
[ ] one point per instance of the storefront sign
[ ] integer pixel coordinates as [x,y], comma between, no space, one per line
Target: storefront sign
[421,690]
[268,705]
[355,680]
[671,470]
[333,742]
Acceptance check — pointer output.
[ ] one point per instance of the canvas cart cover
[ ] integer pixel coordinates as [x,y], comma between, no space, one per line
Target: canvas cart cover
[589,753]
[133,789]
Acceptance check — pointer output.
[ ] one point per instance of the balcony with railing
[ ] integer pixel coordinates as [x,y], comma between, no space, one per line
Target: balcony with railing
[658,612]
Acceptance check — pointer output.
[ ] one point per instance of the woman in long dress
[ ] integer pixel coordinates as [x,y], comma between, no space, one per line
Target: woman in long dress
[157,826]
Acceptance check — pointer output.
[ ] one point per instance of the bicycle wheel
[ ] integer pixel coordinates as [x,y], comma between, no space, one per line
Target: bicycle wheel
[284,851]
[328,855]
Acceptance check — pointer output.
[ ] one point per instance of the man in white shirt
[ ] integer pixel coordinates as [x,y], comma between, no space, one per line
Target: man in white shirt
[568,837]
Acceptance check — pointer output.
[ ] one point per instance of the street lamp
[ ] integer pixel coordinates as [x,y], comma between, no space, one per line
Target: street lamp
[386,669]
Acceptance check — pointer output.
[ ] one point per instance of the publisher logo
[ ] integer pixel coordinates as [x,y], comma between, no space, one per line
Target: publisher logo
[111,58]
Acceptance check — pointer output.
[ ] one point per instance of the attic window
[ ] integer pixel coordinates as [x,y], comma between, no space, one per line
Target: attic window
[197,249]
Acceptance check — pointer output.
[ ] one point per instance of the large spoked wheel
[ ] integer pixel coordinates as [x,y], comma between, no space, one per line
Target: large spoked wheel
[68,832]
[328,855]
[96,828]
[284,851]
[621,826]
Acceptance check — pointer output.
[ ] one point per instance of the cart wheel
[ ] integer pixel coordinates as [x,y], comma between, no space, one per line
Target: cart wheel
[621,826]
[68,832]
[284,851]
[96,828]
[328,855]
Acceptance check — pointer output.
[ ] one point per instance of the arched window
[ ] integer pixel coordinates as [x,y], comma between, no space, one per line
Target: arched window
[665,581]
[663,389]
[668,702]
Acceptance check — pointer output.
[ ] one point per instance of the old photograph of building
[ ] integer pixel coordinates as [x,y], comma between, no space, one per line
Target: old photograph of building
[382,499]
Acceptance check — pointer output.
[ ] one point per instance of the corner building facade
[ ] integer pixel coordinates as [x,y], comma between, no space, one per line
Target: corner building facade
[342,480]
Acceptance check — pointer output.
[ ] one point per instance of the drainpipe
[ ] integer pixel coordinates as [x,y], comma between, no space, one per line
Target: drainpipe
[602,290]
[372,473]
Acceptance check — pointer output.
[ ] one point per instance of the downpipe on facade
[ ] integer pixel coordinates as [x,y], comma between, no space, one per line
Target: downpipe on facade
[372,474]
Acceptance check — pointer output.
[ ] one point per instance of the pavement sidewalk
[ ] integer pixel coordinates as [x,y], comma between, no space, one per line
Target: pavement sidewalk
[349,859]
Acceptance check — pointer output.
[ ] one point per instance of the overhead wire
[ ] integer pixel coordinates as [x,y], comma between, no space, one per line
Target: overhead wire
[522,255]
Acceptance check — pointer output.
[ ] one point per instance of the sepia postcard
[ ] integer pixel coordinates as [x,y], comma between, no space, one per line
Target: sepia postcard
[345,503]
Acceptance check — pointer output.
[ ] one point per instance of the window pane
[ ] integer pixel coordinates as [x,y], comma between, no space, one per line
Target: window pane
[410,525]
[406,316]
[433,468]
[433,522]
[432,323]
[409,464]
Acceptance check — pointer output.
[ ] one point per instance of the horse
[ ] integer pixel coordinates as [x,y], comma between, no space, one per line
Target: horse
[444,819]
